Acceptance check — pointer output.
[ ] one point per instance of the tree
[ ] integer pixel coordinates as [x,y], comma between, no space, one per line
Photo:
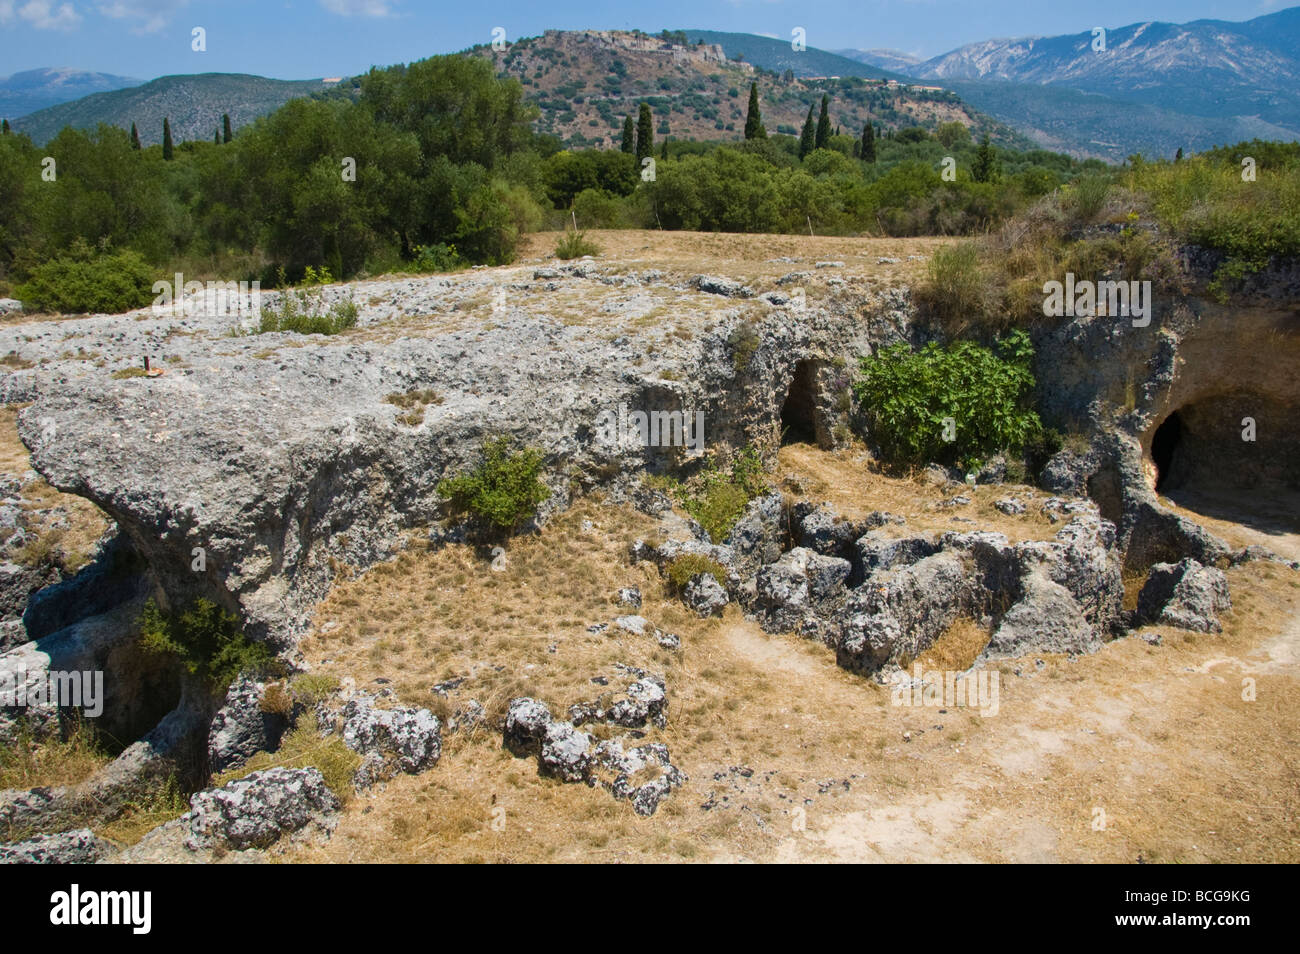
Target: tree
[754,119]
[986,163]
[4,127]
[867,151]
[952,134]
[167,139]
[226,135]
[135,137]
[663,151]
[645,133]
[1178,156]
[629,135]
[808,137]
[823,124]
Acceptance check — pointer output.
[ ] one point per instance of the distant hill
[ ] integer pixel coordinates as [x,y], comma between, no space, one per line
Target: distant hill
[30,90]
[884,59]
[194,105]
[586,81]
[778,56]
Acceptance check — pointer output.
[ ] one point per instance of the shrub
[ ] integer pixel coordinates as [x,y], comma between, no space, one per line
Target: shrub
[436,258]
[689,565]
[303,312]
[208,642]
[84,282]
[744,342]
[305,747]
[956,289]
[723,493]
[503,490]
[575,245]
[312,687]
[907,396]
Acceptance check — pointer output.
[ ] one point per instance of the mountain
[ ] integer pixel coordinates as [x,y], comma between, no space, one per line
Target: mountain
[893,60]
[194,105]
[778,56]
[1209,68]
[31,90]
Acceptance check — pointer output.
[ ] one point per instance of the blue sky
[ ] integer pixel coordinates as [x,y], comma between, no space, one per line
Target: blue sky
[301,39]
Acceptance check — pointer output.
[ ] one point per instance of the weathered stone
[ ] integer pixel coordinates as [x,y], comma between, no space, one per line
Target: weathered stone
[1046,619]
[240,729]
[525,726]
[400,740]
[79,847]
[801,581]
[705,595]
[254,811]
[1187,595]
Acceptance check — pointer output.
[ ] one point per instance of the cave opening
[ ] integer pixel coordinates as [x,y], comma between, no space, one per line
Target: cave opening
[1164,444]
[799,412]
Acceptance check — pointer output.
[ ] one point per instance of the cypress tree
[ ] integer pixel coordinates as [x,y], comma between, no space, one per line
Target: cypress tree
[823,124]
[645,133]
[629,135]
[808,136]
[754,119]
[868,148]
[216,137]
[167,139]
[225,127]
[663,151]
[4,127]
[985,167]
[135,137]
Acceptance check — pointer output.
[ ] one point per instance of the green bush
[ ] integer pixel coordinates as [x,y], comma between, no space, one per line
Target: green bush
[743,341]
[503,490]
[84,282]
[437,258]
[575,245]
[207,640]
[689,565]
[722,494]
[907,395]
[304,312]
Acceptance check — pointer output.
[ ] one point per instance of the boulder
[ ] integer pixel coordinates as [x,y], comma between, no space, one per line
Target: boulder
[79,847]
[705,595]
[391,740]
[240,729]
[253,812]
[802,581]
[1184,594]
[643,775]
[525,726]
[565,752]
[1047,618]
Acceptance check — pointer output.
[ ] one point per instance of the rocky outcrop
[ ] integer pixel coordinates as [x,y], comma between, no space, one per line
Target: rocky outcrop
[1186,594]
[255,811]
[79,847]
[241,728]
[390,741]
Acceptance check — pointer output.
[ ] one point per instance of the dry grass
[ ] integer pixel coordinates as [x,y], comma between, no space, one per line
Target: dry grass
[1151,734]
[69,547]
[956,649]
[66,761]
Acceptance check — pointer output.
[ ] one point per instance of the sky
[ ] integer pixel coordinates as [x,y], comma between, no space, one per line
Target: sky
[307,39]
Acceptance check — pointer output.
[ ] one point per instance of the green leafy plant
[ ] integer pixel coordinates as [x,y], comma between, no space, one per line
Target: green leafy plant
[437,258]
[721,494]
[503,490]
[907,396]
[84,281]
[575,245]
[304,311]
[207,640]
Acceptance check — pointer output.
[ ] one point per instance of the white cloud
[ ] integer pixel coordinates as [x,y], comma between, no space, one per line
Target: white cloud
[150,15]
[41,14]
[359,8]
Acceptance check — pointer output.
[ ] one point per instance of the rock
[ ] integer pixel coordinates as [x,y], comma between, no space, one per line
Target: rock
[79,847]
[828,533]
[994,471]
[240,729]
[714,285]
[644,775]
[670,641]
[632,624]
[802,581]
[565,752]
[254,811]
[1085,560]
[1186,594]
[756,538]
[630,596]
[1010,506]
[469,716]
[875,551]
[392,740]
[10,306]
[829,265]
[1047,618]
[525,726]
[792,278]
[705,595]
[903,613]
